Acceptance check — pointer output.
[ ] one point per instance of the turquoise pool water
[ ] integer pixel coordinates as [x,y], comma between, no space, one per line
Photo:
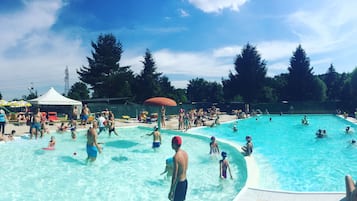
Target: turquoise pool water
[289,155]
[128,169]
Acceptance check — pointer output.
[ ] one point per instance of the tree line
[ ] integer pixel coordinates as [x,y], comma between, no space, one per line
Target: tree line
[105,77]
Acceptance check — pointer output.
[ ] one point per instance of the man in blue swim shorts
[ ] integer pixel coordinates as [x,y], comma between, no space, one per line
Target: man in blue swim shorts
[178,187]
[36,124]
[156,137]
[85,114]
[92,145]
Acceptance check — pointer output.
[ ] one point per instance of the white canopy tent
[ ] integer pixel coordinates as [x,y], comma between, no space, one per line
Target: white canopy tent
[52,97]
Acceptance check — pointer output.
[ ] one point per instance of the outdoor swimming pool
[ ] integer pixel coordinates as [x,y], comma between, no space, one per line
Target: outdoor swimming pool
[128,169]
[289,155]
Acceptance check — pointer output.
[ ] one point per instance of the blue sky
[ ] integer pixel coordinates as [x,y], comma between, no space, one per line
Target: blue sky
[188,38]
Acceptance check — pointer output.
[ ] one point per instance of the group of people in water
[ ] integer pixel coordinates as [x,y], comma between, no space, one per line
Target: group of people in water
[224,163]
[322,133]
[175,167]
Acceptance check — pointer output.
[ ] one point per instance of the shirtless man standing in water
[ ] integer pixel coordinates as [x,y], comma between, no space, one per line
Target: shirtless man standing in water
[36,124]
[178,187]
[92,145]
[156,141]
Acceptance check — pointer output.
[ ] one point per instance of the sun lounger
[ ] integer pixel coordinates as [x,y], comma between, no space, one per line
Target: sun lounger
[52,117]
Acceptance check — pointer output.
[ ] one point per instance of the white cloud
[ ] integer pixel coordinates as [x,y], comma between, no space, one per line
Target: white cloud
[31,52]
[37,16]
[275,50]
[216,6]
[183,13]
[229,51]
[332,27]
[187,65]
[180,84]
[269,50]
[190,63]
[277,68]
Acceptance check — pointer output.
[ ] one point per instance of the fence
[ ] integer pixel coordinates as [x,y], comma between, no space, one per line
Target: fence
[133,110]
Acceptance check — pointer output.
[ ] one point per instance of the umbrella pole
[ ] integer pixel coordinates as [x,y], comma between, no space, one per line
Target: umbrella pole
[159,119]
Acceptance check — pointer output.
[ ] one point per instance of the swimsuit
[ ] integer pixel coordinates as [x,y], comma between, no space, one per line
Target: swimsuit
[84,117]
[73,128]
[36,126]
[92,151]
[180,191]
[156,144]
[224,169]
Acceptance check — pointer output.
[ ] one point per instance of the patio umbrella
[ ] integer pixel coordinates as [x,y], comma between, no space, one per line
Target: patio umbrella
[3,103]
[20,103]
[160,101]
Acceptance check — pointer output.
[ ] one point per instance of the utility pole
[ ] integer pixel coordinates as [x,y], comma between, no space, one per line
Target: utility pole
[66,81]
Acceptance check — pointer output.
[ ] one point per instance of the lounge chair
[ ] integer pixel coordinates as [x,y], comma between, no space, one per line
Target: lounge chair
[52,117]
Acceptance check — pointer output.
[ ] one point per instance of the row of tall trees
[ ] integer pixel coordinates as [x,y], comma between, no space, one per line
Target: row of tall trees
[106,78]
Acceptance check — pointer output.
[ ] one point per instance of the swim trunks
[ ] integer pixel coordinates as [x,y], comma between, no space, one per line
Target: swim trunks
[224,174]
[156,144]
[92,151]
[36,126]
[84,117]
[180,191]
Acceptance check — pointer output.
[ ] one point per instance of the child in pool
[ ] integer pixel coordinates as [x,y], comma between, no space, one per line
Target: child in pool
[169,167]
[73,128]
[52,143]
[62,128]
[235,128]
[214,149]
[248,148]
[223,166]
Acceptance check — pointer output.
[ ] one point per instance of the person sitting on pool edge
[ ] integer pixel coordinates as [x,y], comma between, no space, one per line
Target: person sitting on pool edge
[248,148]
[351,191]
[223,166]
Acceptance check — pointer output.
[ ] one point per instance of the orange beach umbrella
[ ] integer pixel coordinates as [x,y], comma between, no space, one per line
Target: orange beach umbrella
[160,101]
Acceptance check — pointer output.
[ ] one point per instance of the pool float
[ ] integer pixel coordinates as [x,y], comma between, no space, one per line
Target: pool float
[48,148]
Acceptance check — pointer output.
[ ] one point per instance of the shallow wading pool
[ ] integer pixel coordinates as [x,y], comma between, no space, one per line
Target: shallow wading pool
[128,169]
